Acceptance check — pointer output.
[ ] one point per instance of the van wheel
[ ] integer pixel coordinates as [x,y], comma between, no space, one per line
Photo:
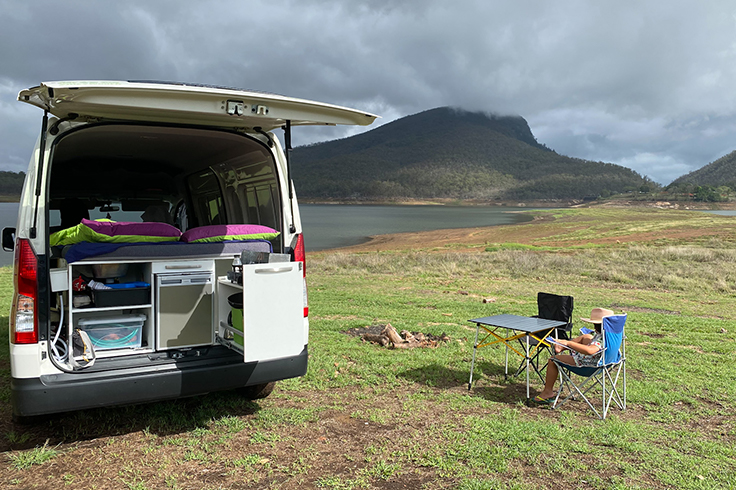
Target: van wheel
[256,392]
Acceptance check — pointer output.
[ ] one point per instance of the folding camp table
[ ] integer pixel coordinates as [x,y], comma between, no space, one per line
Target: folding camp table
[516,327]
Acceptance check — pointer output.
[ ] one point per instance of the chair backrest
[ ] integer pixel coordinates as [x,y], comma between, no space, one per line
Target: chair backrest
[555,307]
[613,336]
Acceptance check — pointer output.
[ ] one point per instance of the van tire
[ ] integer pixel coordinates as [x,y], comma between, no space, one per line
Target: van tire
[257,392]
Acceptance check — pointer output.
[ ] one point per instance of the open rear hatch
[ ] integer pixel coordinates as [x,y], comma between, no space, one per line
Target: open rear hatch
[184,104]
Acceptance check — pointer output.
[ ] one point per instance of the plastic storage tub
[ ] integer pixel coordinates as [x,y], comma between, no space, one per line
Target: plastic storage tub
[115,332]
[138,294]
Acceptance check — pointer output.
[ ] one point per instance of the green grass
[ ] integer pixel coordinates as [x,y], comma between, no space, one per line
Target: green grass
[25,459]
[366,416]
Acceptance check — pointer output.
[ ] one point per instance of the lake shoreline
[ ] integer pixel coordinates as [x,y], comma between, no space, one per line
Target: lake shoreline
[472,239]
[541,203]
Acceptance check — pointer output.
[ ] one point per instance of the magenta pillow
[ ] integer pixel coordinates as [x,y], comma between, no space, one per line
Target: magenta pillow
[221,233]
[113,228]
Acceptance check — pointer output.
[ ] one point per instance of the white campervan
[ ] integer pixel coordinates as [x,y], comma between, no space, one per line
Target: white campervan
[158,251]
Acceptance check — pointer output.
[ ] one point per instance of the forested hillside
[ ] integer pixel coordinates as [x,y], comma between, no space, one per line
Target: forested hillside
[718,173]
[448,153]
[11,183]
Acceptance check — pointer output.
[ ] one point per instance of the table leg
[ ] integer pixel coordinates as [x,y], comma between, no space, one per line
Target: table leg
[472,364]
[527,369]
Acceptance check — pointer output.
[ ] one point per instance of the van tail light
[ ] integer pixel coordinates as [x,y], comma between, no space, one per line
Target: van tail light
[301,256]
[23,317]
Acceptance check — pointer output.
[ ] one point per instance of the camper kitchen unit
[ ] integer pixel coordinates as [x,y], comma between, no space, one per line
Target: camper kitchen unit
[158,250]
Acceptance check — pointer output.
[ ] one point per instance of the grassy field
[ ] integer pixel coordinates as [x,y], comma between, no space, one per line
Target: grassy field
[370,417]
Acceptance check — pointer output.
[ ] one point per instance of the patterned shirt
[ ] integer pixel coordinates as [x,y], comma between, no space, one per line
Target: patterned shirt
[589,360]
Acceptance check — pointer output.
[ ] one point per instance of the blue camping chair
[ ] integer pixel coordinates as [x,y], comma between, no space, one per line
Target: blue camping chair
[606,376]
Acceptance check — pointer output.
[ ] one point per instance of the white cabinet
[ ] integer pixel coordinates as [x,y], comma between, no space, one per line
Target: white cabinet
[119,321]
[273,311]
[186,305]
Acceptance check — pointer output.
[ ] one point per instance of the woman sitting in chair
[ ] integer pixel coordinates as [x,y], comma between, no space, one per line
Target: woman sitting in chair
[585,351]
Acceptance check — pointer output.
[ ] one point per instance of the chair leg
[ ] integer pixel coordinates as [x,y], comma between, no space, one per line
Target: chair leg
[472,364]
[606,379]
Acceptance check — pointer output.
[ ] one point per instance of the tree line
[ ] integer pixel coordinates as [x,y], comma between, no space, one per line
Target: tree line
[11,183]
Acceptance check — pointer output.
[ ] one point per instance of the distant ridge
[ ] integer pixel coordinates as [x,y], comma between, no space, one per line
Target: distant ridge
[451,153]
[717,173]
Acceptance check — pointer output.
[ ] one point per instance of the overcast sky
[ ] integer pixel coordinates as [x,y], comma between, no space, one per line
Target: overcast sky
[650,85]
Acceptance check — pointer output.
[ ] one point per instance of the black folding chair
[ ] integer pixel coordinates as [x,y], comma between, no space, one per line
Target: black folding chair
[550,307]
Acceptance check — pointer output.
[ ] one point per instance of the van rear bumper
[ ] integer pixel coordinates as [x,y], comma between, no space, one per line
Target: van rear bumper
[67,392]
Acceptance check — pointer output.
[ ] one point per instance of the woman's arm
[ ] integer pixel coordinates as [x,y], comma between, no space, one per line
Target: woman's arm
[587,349]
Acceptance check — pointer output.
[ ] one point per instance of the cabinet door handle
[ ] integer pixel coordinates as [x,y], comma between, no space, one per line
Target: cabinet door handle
[179,267]
[170,281]
[275,270]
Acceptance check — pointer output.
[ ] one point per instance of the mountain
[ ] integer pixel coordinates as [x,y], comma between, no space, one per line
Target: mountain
[720,172]
[451,153]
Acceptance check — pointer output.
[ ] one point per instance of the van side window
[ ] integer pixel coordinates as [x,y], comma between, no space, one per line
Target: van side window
[242,190]
[207,199]
[214,210]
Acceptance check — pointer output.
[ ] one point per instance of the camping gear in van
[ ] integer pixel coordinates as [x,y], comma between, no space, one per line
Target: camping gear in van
[118,332]
[235,319]
[122,294]
[109,271]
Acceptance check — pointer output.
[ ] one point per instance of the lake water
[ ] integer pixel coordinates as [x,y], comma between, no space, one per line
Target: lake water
[331,226]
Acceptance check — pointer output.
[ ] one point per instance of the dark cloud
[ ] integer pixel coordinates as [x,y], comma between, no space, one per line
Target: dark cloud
[643,84]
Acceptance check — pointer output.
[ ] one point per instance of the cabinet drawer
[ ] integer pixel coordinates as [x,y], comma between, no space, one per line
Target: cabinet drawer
[170,266]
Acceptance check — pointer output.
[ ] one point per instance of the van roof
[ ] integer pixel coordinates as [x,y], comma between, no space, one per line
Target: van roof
[185,104]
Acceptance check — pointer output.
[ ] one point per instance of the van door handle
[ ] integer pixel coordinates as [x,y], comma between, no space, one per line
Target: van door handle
[275,270]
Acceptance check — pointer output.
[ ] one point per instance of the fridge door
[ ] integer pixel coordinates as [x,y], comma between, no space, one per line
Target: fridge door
[273,310]
[184,314]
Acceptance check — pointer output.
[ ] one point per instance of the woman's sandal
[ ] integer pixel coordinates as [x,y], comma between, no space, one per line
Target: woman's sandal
[539,399]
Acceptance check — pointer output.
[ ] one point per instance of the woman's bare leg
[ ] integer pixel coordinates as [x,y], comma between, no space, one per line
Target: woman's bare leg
[552,373]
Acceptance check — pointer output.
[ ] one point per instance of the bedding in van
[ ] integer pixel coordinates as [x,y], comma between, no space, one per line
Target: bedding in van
[85,250]
[106,231]
[222,233]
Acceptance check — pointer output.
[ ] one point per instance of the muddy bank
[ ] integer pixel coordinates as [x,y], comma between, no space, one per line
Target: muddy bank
[546,230]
